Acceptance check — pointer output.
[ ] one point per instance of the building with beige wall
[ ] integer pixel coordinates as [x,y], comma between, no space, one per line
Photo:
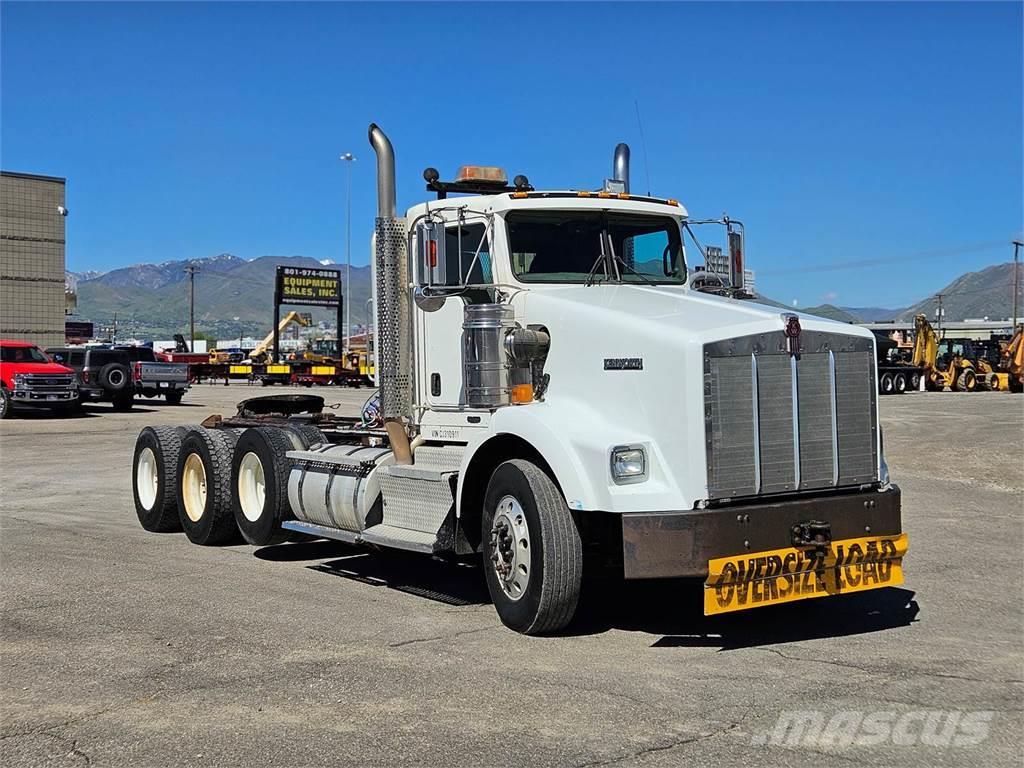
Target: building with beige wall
[32,258]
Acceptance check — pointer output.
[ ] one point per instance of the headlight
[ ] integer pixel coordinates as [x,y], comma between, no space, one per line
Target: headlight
[629,464]
[19,379]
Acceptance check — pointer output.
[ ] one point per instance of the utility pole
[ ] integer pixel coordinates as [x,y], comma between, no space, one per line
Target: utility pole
[349,158]
[191,270]
[1016,277]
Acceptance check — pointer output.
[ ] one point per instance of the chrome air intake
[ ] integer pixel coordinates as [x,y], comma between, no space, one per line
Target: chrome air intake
[780,423]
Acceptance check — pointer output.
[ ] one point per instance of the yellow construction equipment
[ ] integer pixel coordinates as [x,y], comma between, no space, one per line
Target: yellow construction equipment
[944,361]
[1012,360]
[260,353]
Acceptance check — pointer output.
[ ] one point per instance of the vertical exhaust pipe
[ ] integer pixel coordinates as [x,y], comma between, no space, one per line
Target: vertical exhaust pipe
[393,303]
[620,165]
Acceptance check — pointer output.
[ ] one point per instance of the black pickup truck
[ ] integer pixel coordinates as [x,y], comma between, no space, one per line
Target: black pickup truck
[118,374]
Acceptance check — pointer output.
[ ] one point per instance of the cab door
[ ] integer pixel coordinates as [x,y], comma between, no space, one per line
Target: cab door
[439,353]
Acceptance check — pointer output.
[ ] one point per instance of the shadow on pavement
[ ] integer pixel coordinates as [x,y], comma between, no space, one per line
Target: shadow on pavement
[670,608]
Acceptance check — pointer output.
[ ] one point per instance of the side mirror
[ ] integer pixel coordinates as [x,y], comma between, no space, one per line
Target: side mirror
[736,260]
[431,240]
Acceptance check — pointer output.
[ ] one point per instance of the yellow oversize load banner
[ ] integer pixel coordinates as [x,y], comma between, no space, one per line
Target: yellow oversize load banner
[740,582]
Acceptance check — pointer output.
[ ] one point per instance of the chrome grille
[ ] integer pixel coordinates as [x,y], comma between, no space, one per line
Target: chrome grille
[43,382]
[777,423]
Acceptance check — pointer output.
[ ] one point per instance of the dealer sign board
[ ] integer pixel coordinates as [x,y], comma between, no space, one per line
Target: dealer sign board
[314,287]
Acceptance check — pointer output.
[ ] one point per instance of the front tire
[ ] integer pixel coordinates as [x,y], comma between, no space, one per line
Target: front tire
[533,554]
[124,401]
[5,404]
[204,486]
[886,384]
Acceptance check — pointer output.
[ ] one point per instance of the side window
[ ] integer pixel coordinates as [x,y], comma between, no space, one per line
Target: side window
[58,356]
[464,249]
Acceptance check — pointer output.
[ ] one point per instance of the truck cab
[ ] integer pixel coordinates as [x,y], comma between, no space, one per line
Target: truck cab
[30,378]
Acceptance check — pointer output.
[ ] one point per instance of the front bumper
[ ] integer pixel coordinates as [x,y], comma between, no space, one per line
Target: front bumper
[682,544]
[43,397]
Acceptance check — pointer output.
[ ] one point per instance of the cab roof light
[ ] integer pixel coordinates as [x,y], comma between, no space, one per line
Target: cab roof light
[488,173]
[583,193]
[520,194]
[670,201]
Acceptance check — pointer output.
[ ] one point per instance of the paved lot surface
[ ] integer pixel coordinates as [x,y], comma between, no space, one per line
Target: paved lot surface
[122,647]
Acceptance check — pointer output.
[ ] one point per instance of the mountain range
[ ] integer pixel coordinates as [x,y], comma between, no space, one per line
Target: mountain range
[972,296]
[151,300]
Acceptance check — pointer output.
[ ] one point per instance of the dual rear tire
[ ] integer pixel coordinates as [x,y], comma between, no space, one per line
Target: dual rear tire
[215,484]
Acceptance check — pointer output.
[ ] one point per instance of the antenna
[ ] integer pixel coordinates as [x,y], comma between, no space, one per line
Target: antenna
[643,144]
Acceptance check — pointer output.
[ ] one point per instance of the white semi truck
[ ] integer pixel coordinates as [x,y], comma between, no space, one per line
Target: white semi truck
[555,395]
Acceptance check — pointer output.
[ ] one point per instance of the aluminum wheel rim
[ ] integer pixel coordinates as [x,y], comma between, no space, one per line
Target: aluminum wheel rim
[193,487]
[147,479]
[510,547]
[252,487]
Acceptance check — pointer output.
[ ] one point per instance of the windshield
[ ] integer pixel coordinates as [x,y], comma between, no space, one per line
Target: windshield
[595,246]
[22,355]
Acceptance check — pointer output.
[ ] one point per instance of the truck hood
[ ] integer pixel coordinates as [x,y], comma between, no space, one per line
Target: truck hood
[52,369]
[672,314]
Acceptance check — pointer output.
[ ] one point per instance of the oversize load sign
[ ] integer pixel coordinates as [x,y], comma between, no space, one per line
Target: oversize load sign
[783,575]
[315,287]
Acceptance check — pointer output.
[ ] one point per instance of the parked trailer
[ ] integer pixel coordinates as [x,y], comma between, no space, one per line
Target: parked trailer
[554,397]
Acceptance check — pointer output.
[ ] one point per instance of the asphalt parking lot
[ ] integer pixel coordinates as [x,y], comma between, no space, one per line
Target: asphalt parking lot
[124,647]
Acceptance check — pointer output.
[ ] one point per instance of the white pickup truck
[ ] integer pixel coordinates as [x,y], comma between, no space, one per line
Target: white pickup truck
[555,396]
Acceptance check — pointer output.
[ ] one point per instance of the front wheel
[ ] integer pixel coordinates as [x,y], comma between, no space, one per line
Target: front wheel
[5,404]
[534,557]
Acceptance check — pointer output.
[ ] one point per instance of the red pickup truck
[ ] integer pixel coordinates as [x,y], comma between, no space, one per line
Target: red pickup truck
[28,377]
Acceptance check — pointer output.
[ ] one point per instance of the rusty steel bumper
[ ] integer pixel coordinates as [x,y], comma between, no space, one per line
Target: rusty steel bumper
[675,544]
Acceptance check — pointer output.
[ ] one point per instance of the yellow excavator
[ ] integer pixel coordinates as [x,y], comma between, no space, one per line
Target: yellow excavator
[945,361]
[261,354]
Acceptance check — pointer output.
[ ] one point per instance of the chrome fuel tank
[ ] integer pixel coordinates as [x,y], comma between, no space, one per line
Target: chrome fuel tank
[336,485]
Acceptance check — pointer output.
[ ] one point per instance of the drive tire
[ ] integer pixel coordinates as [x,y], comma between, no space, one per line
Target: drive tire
[204,486]
[114,377]
[5,404]
[549,598]
[899,383]
[259,485]
[885,384]
[308,434]
[155,478]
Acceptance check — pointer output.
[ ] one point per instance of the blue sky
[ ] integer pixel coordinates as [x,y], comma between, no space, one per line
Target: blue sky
[839,133]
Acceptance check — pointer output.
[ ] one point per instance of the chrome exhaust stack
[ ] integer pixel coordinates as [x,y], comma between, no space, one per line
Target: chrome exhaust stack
[394,314]
[620,166]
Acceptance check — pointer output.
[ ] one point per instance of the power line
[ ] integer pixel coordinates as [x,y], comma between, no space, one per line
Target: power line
[877,262]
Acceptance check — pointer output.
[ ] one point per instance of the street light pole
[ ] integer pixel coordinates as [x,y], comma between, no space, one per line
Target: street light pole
[191,270]
[1016,277]
[349,158]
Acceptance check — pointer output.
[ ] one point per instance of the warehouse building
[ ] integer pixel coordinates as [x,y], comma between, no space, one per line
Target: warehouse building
[32,258]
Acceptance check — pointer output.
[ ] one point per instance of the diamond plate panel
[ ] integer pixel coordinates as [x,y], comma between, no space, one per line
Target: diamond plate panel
[416,503]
